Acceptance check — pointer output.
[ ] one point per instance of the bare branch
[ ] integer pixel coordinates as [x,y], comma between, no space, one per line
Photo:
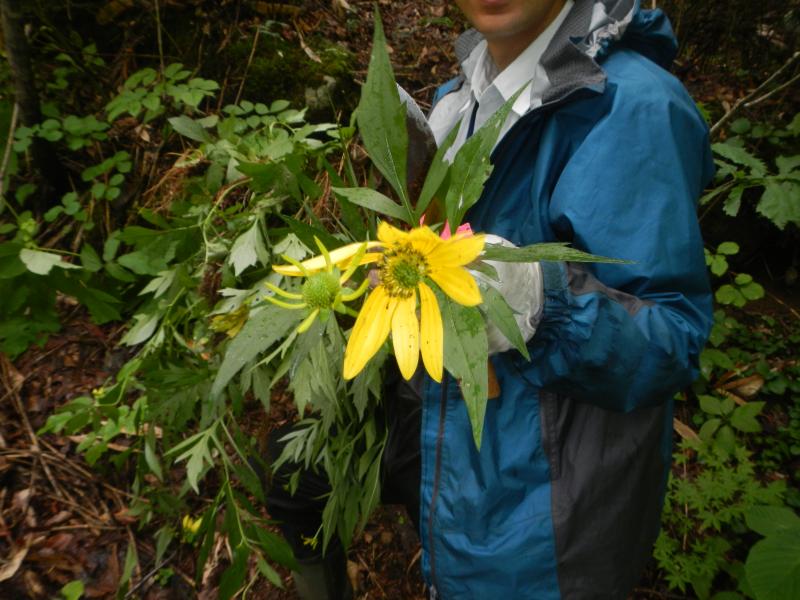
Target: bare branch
[743,101]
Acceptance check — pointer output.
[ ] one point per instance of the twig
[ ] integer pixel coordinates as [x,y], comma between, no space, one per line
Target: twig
[743,101]
[372,576]
[93,519]
[12,391]
[781,87]
[148,575]
[667,595]
[247,66]
[7,153]
[782,303]
[82,526]
[158,36]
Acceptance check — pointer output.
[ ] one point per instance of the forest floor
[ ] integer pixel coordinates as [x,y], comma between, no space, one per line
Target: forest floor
[74,521]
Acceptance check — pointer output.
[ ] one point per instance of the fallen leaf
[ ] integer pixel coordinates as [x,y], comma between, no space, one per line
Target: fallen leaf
[58,518]
[21,500]
[747,386]
[12,565]
[124,517]
[60,541]
[33,585]
[109,581]
[685,431]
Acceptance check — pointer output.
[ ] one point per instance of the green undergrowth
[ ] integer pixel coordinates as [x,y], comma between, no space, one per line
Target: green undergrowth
[185,267]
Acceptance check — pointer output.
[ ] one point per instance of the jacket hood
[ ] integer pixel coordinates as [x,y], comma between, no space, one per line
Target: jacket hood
[589,32]
[650,34]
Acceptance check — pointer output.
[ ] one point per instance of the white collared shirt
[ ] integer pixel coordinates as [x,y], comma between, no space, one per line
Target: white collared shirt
[491,89]
[521,283]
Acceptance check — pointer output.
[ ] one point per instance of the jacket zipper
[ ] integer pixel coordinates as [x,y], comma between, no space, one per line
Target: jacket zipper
[436,480]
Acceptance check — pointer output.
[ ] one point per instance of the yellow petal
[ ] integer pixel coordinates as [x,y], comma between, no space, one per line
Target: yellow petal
[371,257]
[389,234]
[405,335]
[458,284]
[424,240]
[339,257]
[370,331]
[457,251]
[431,332]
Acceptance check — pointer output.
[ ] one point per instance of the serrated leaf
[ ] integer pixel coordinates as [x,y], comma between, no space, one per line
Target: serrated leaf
[41,263]
[247,249]
[90,259]
[787,164]
[726,439]
[264,328]
[160,284]
[551,251]
[744,417]
[772,520]
[710,405]
[773,567]
[381,119]
[375,201]
[501,316]
[471,166]
[465,357]
[306,234]
[708,429]
[780,203]
[740,156]
[196,457]
[436,173]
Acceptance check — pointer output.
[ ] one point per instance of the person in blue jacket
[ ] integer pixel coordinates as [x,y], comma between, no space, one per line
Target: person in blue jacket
[603,149]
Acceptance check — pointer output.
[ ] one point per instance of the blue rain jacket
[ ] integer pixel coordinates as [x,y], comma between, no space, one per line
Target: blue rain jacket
[563,499]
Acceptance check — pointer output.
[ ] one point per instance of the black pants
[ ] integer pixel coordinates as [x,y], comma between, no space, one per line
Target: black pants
[300,515]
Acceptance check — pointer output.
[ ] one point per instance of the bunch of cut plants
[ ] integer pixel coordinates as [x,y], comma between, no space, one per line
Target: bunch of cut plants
[411,270]
[396,274]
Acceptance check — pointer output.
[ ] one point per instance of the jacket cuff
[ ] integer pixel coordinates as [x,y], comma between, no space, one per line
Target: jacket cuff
[555,309]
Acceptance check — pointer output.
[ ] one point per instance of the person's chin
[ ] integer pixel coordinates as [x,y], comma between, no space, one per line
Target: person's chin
[496,27]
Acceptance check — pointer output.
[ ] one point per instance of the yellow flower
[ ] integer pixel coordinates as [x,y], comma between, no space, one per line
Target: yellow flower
[191,526]
[322,290]
[408,260]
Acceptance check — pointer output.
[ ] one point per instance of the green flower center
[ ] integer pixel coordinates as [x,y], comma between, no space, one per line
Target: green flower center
[320,290]
[406,274]
[402,270]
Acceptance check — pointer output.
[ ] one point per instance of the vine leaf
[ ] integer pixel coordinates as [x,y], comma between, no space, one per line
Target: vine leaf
[465,352]
[381,119]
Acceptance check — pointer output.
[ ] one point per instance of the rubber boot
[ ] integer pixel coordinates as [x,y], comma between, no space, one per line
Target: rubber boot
[323,578]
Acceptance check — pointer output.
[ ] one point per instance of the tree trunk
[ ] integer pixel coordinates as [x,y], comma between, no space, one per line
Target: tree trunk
[19,56]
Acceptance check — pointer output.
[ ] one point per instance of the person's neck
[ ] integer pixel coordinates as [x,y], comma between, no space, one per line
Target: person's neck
[504,50]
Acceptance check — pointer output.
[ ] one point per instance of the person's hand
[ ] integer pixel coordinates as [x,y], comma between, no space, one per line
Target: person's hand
[521,286]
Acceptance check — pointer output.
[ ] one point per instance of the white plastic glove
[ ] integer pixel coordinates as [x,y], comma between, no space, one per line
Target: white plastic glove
[521,286]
